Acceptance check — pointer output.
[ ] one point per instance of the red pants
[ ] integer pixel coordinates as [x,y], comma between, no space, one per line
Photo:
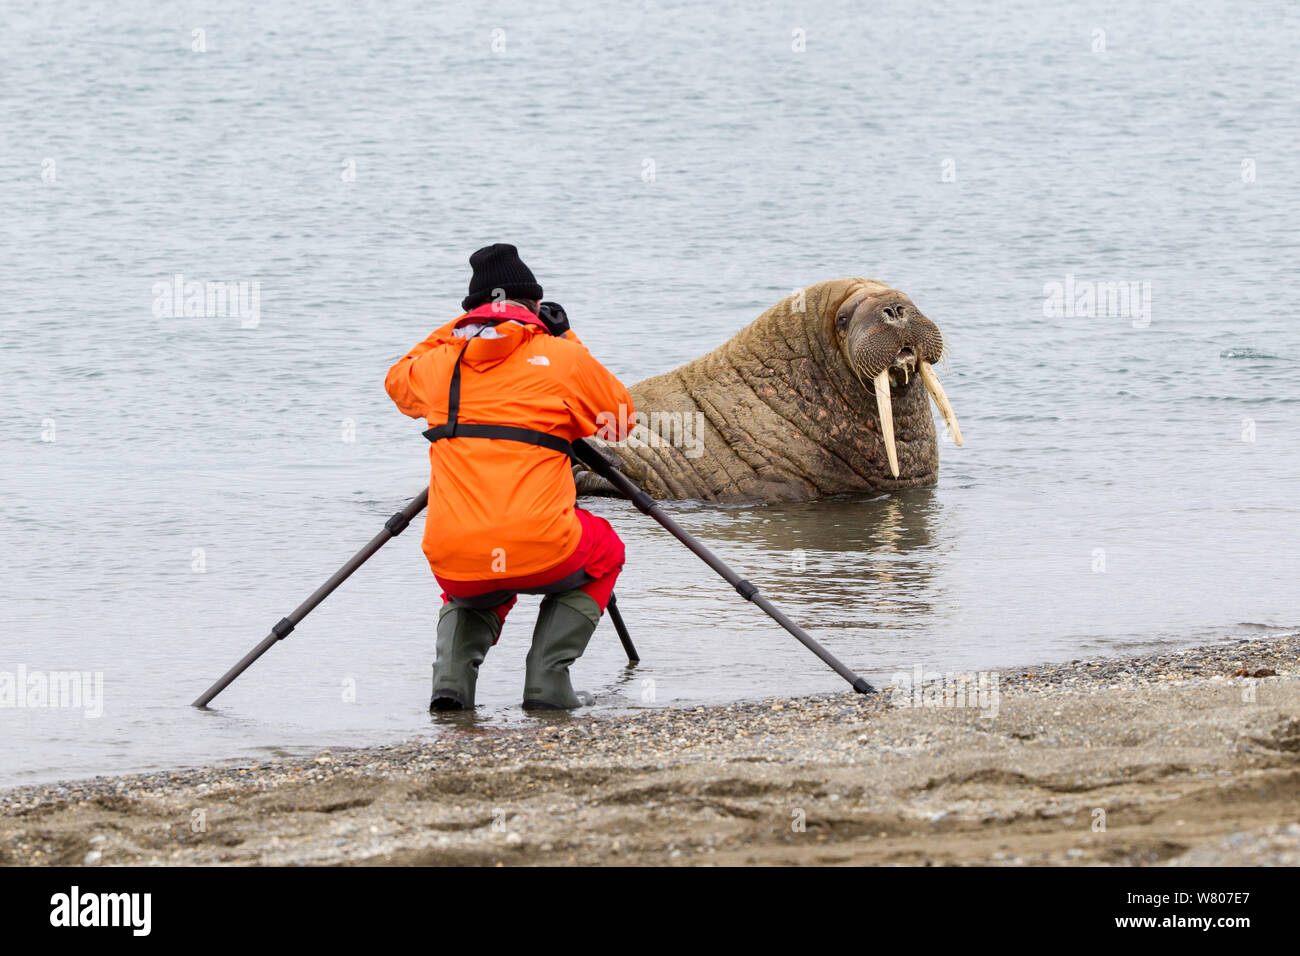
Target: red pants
[599,554]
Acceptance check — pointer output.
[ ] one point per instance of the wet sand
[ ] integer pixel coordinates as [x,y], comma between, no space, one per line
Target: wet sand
[1188,757]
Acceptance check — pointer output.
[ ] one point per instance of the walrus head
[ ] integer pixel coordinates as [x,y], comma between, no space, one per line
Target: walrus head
[885,339]
[796,405]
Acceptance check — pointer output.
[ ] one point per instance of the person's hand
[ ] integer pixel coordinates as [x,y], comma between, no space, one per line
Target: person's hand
[556,319]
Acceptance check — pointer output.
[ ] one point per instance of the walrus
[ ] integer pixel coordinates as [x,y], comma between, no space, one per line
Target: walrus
[825,393]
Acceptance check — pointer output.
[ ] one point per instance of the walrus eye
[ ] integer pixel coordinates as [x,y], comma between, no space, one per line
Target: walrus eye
[842,321]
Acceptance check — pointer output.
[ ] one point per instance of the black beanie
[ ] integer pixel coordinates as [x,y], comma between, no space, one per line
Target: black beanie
[499,267]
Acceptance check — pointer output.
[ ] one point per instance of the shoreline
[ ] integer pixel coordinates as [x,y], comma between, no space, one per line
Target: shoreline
[1180,757]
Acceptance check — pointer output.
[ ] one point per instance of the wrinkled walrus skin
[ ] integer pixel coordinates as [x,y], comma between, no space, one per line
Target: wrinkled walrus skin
[786,415]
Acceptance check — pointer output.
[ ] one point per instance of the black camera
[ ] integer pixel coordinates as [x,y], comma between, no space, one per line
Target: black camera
[556,319]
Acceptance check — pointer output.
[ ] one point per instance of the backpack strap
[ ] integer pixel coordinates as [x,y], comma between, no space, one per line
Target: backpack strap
[452,428]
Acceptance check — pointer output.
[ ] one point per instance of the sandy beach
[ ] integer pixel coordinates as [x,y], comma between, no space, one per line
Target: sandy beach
[1181,758]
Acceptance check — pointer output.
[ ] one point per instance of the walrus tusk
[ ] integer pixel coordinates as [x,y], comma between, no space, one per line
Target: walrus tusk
[940,398]
[886,409]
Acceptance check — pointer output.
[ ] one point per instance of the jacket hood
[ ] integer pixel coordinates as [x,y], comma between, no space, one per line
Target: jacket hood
[514,325]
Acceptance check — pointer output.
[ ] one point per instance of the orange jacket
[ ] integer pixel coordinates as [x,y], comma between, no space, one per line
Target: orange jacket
[500,508]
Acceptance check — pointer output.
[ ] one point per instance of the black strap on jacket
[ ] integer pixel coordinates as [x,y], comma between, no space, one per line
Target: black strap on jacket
[454,429]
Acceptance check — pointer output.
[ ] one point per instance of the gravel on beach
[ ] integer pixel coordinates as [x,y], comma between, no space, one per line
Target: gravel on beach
[1185,756]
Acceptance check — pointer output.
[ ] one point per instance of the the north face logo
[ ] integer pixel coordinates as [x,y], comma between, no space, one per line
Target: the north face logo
[539,360]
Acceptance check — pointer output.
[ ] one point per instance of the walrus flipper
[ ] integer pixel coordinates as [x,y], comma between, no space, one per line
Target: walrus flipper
[590,483]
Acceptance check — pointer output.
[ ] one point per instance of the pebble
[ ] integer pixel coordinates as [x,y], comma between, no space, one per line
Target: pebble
[780,731]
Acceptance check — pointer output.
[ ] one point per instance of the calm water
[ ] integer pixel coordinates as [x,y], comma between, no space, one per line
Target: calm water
[668,173]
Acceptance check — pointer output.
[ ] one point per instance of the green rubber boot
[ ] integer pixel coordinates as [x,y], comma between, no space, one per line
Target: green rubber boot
[564,626]
[464,637]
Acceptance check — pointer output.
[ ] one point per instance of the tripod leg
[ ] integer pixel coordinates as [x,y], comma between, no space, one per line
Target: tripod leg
[614,615]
